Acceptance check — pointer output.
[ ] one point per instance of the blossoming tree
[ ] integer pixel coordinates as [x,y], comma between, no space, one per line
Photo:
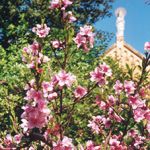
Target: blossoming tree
[52,114]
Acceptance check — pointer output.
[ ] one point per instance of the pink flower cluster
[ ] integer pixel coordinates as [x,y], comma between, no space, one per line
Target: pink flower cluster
[48,90]
[36,113]
[91,146]
[115,143]
[41,30]
[147,46]
[35,116]
[62,4]
[10,141]
[103,105]
[108,106]
[33,57]
[65,144]
[80,92]
[128,87]
[69,17]
[114,116]
[137,139]
[98,123]
[85,38]
[100,74]
[140,110]
[57,44]
[65,79]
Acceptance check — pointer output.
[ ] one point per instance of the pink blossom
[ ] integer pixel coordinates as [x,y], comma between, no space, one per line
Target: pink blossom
[68,16]
[137,138]
[35,117]
[63,4]
[106,69]
[85,38]
[35,47]
[147,114]
[24,125]
[106,122]
[31,65]
[42,104]
[47,87]
[54,4]
[41,30]
[95,124]
[118,87]
[132,133]
[119,147]
[80,92]
[32,94]
[54,80]
[32,49]
[52,96]
[96,75]
[129,87]
[114,141]
[90,146]
[86,30]
[113,115]
[142,92]
[65,144]
[31,148]
[66,3]
[8,140]
[100,73]
[30,84]
[139,114]
[55,44]
[115,144]
[147,46]
[17,138]
[111,100]
[136,102]
[58,44]
[80,40]
[32,56]
[64,78]
[102,105]
[2,147]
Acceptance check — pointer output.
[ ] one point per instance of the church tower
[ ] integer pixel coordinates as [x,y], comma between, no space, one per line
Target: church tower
[120,25]
[120,50]
[124,53]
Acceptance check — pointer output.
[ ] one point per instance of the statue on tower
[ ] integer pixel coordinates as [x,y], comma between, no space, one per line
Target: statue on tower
[120,22]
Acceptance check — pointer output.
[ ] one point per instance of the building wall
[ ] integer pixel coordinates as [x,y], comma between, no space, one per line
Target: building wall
[125,54]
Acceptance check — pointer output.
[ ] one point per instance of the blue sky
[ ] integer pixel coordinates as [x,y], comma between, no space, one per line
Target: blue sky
[137,26]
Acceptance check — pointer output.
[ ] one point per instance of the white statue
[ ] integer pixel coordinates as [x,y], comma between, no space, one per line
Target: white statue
[120,22]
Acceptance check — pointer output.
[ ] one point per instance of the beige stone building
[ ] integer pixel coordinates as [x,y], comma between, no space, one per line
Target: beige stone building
[122,51]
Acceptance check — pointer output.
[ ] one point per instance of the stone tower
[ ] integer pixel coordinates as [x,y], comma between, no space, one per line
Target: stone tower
[120,24]
[122,51]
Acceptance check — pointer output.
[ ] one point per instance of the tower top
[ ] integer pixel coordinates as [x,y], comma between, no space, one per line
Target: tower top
[120,23]
[120,12]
